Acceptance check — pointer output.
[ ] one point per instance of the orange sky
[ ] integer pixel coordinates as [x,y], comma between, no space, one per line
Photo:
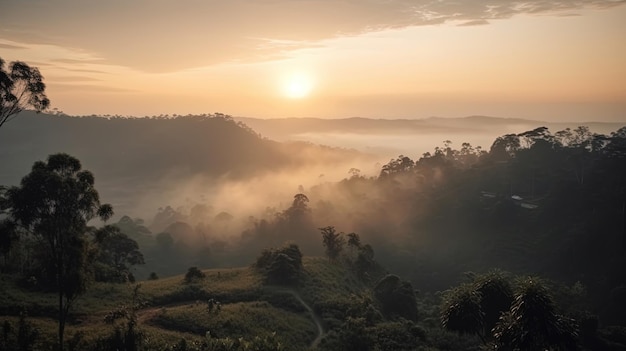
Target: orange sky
[550,60]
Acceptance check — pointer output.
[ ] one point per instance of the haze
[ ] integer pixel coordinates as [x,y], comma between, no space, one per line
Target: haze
[547,60]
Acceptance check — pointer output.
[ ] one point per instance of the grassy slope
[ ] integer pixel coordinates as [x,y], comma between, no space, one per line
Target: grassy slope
[175,309]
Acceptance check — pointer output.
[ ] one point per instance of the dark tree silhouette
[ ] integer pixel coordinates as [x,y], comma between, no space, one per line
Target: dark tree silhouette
[476,307]
[21,87]
[117,252]
[333,242]
[282,265]
[532,322]
[354,241]
[396,297]
[54,202]
[461,312]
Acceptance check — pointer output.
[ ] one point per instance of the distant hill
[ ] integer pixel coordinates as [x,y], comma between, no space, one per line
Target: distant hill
[404,136]
[131,157]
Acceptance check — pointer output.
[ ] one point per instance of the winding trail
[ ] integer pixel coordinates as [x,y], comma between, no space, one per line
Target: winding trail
[315,317]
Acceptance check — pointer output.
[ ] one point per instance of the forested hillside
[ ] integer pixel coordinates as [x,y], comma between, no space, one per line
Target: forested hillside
[146,163]
[485,243]
[150,147]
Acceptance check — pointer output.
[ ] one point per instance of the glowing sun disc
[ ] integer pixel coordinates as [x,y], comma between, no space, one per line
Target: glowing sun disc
[297,86]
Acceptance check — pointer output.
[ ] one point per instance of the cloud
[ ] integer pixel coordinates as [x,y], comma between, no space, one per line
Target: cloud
[69,87]
[11,46]
[166,36]
[480,22]
[72,79]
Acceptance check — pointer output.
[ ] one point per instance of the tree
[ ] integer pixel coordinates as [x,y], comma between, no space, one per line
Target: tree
[524,320]
[532,322]
[354,241]
[461,312]
[299,208]
[476,307]
[117,252]
[397,297]
[193,275]
[8,238]
[333,242]
[282,265]
[54,202]
[21,86]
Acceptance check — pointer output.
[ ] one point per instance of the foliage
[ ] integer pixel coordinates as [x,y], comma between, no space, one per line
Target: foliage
[532,322]
[117,253]
[461,311]
[21,339]
[524,320]
[282,265]
[396,297]
[8,237]
[333,242]
[54,202]
[21,86]
[193,275]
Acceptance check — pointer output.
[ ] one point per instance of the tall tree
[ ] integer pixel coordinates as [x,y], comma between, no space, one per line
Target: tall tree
[21,87]
[532,322]
[54,202]
[333,242]
[117,253]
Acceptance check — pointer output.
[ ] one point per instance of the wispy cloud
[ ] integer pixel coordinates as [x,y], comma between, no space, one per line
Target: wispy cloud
[11,46]
[166,36]
[480,22]
[71,79]
[69,87]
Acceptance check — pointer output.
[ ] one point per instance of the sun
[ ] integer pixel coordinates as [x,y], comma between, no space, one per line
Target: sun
[297,85]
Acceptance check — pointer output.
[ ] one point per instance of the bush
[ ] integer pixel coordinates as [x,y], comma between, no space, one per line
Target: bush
[396,297]
[281,266]
[193,274]
[23,338]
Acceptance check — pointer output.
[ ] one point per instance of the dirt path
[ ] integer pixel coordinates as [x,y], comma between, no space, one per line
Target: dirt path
[315,317]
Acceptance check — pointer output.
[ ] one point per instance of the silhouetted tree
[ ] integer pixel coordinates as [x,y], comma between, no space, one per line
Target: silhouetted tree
[532,322]
[8,238]
[399,165]
[461,312]
[396,297]
[333,242]
[194,274]
[54,202]
[496,296]
[475,308]
[354,241]
[281,266]
[299,208]
[21,339]
[117,253]
[21,87]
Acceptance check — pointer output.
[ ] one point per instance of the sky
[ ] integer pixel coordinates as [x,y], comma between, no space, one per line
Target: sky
[539,59]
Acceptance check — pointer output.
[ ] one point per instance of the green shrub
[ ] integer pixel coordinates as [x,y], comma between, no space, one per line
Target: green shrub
[193,274]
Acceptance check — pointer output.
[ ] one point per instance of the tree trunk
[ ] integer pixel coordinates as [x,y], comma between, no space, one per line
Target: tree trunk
[61,320]
[624,225]
[60,287]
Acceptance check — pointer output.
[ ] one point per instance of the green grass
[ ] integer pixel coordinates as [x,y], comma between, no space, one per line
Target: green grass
[175,309]
[236,320]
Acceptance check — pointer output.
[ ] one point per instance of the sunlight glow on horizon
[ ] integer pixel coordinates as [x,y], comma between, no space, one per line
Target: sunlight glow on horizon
[542,66]
[297,85]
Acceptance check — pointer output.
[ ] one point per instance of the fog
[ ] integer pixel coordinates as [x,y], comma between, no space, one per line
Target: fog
[209,191]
